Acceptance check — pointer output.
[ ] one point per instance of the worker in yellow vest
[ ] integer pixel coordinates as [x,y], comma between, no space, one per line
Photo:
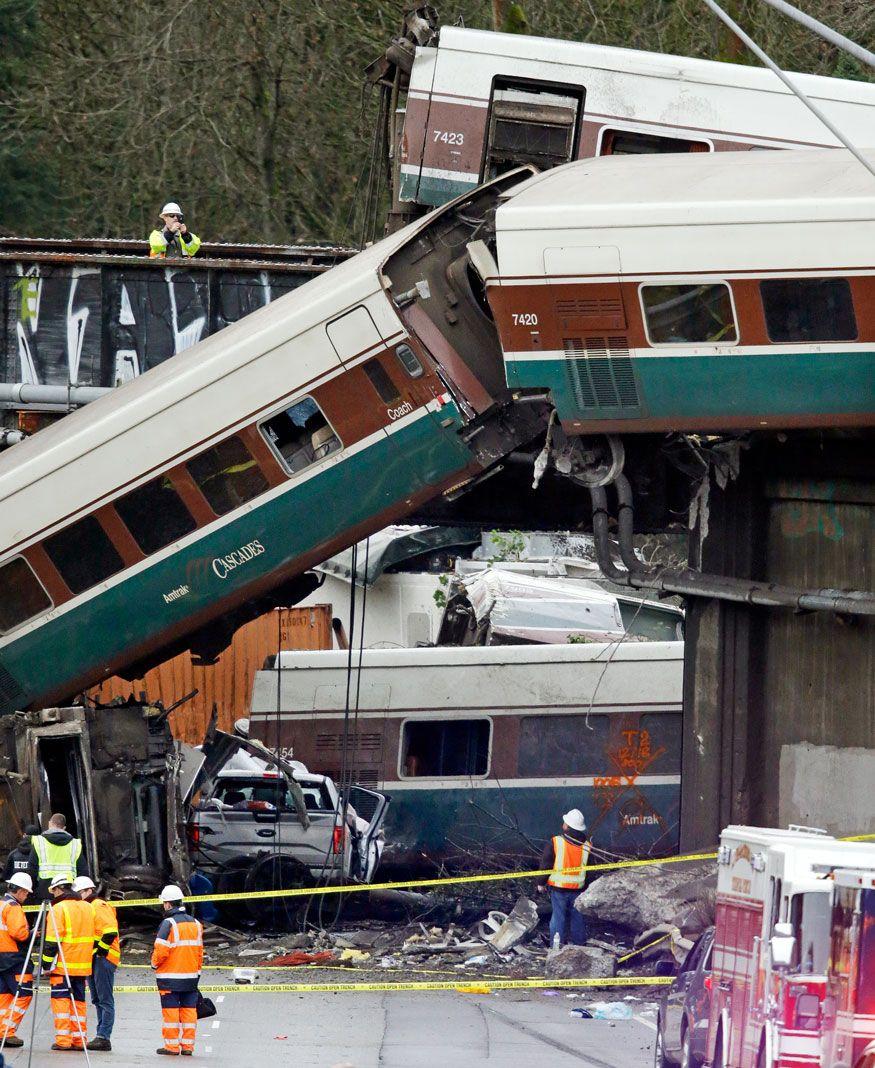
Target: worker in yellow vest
[104,963]
[174,238]
[566,857]
[66,958]
[53,853]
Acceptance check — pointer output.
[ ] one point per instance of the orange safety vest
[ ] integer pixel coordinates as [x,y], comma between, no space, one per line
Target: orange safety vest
[106,923]
[179,948]
[75,930]
[569,865]
[13,927]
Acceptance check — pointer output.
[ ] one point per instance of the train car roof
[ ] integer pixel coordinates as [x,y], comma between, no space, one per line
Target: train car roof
[690,189]
[178,380]
[654,64]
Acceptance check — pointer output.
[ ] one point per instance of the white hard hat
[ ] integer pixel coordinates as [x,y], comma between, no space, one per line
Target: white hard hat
[22,880]
[171,208]
[171,893]
[574,819]
[82,882]
[60,880]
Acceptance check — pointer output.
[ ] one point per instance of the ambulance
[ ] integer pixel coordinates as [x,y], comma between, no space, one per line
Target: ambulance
[772,944]
[849,1007]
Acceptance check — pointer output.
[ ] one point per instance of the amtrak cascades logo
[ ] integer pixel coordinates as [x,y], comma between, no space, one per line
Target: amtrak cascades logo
[224,565]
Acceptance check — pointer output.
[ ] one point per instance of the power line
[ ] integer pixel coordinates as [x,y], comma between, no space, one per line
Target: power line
[824,31]
[768,62]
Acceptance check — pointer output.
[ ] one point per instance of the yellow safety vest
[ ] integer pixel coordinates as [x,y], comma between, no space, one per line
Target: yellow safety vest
[56,859]
[569,865]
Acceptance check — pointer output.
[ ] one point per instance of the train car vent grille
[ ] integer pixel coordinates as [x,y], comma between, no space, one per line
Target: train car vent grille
[333,743]
[601,373]
[593,306]
[10,691]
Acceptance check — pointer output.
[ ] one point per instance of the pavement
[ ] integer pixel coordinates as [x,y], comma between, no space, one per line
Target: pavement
[404,1029]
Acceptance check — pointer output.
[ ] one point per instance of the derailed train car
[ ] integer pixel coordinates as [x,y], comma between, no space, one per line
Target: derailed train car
[195,496]
[481,103]
[732,292]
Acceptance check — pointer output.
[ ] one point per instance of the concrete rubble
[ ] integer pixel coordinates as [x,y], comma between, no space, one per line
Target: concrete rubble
[682,896]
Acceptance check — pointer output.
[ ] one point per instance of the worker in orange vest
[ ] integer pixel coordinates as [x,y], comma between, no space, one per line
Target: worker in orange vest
[566,856]
[67,956]
[104,963]
[16,978]
[178,958]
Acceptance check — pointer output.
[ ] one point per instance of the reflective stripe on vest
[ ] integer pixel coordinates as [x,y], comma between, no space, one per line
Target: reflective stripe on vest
[56,859]
[185,942]
[571,859]
[106,923]
[75,932]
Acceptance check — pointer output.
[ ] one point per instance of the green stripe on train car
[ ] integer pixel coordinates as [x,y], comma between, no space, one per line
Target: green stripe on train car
[432,190]
[634,819]
[278,531]
[689,387]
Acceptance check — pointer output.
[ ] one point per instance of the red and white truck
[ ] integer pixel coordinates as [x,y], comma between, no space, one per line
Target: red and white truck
[849,1008]
[772,944]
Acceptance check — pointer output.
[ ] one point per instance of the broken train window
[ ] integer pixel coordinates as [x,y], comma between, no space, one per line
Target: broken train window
[439,748]
[531,122]
[227,475]
[21,594]
[301,435]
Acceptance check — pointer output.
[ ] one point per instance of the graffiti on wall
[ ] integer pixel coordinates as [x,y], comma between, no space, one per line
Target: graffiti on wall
[101,325]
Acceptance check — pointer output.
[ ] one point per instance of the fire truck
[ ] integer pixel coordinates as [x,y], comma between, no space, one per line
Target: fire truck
[849,1007]
[771,945]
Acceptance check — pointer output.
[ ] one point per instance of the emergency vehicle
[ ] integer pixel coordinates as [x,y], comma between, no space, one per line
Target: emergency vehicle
[771,945]
[849,1008]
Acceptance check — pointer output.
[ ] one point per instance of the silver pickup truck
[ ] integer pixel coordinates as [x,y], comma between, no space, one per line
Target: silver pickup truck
[257,822]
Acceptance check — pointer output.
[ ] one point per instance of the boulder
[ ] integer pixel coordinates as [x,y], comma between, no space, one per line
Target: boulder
[580,962]
[641,898]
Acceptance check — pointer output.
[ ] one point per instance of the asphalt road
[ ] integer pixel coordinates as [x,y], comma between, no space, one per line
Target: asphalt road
[511,1029]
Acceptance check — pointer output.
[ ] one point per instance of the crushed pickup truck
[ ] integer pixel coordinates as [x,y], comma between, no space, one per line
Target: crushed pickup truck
[150,809]
[258,822]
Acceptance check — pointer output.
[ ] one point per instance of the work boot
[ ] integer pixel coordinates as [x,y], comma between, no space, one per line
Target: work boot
[162,1052]
[62,1049]
[13,1042]
[187,1052]
[101,1044]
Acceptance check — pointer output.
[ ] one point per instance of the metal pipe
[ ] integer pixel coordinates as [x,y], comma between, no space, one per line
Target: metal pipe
[824,31]
[775,69]
[26,393]
[689,583]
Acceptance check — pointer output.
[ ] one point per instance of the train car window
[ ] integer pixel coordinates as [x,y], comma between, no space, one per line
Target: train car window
[531,122]
[386,389]
[689,314]
[809,309]
[227,475]
[633,143]
[21,594]
[409,361]
[301,435]
[564,745]
[444,747]
[155,515]
[83,554]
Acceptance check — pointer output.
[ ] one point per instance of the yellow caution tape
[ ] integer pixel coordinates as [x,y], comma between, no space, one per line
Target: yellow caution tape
[641,949]
[357,970]
[459,986]
[405,884]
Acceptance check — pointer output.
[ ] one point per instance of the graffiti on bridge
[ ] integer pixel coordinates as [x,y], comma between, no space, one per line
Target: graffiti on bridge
[101,325]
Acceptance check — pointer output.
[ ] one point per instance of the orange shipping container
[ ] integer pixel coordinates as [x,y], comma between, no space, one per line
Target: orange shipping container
[227,683]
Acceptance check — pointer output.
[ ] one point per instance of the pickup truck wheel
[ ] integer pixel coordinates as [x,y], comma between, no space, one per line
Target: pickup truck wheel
[659,1058]
[277,872]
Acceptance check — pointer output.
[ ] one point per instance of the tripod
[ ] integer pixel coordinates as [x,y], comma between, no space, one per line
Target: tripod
[39,928]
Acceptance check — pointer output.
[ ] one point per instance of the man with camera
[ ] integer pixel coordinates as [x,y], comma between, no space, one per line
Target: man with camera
[174,239]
